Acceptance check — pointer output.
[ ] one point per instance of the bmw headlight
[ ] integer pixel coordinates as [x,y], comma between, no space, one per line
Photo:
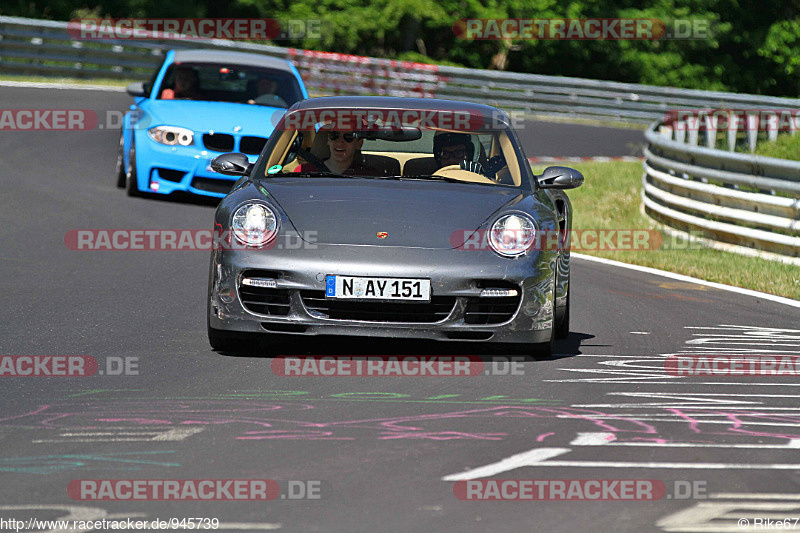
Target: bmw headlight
[512,235]
[254,224]
[171,135]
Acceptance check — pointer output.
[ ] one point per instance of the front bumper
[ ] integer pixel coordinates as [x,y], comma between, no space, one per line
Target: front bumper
[165,169]
[457,275]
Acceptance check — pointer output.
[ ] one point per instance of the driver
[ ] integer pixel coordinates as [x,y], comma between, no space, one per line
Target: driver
[346,157]
[455,149]
[185,86]
[265,93]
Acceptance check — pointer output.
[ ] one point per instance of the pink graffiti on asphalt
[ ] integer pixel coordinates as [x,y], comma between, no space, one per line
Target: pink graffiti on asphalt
[259,420]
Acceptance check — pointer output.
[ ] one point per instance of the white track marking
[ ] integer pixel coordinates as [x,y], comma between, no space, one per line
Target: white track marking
[538,458]
[753,496]
[529,458]
[717,517]
[126,435]
[56,85]
[681,277]
[608,439]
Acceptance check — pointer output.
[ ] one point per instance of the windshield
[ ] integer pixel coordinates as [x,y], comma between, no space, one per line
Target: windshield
[396,151]
[216,82]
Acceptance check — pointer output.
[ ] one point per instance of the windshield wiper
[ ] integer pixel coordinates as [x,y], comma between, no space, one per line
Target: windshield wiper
[427,177]
[316,175]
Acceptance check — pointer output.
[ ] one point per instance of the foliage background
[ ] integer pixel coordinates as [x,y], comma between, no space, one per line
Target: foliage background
[754,45]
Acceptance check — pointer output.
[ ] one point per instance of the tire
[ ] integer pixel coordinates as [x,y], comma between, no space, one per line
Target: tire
[133,188]
[225,341]
[121,175]
[562,328]
[539,350]
[544,350]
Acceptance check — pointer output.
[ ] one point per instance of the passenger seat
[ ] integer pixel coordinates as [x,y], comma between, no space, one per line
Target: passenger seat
[389,166]
[420,166]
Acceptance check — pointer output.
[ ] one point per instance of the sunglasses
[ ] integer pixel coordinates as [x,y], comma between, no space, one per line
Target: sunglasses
[348,137]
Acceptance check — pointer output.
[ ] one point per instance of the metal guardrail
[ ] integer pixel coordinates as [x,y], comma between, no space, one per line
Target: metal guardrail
[29,46]
[729,197]
[702,126]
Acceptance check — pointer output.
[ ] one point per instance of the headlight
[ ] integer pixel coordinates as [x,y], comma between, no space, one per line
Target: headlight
[254,224]
[171,135]
[512,235]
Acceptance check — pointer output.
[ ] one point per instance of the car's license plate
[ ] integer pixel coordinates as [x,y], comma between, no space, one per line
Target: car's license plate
[378,288]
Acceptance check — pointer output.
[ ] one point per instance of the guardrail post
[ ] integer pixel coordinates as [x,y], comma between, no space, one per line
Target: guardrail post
[771,124]
[693,123]
[711,130]
[680,131]
[733,130]
[752,130]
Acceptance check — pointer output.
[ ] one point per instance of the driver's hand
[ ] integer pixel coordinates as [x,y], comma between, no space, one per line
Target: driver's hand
[472,166]
[495,164]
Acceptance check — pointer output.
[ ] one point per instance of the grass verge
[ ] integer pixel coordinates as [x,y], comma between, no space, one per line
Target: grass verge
[785,147]
[610,199]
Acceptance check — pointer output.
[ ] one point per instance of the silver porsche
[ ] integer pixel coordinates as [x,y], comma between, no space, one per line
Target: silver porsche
[392,217]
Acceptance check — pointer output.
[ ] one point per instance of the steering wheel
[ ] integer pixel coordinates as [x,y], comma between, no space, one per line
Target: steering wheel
[477,178]
[448,168]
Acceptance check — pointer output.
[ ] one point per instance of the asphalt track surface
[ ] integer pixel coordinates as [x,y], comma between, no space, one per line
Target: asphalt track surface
[602,408]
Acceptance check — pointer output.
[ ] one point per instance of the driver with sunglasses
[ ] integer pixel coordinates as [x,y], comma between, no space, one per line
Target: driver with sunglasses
[346,158]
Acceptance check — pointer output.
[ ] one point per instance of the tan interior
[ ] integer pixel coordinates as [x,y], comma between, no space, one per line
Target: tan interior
[405,163]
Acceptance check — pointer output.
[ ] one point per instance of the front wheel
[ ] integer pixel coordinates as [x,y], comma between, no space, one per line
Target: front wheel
[562,328]
[540,350]
[226,341]
[120,171]
[133,184]
[544,350]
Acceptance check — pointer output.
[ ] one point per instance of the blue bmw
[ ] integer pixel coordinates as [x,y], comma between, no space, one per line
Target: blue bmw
[200,104]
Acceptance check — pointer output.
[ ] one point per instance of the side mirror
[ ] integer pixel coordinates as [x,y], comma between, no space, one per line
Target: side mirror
[233,164]
[136,89]
[559,178]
